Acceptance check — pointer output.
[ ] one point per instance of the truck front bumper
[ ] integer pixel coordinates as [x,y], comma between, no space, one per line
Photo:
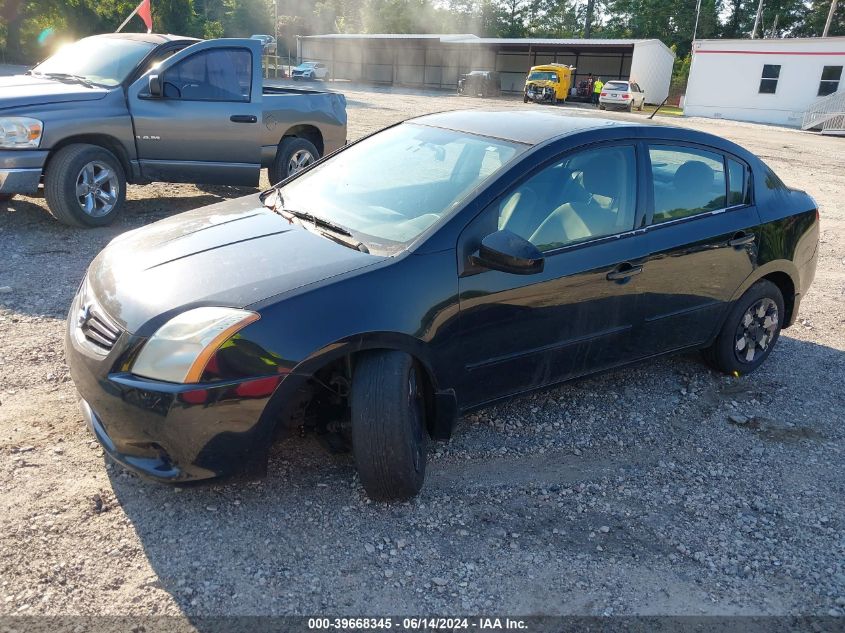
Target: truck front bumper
[20,170]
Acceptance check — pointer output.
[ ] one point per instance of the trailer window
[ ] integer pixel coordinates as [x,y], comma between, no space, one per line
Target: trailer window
[830,80]
[769,80]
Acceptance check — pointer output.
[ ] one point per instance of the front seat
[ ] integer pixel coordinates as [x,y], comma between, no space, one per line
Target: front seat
[577,220]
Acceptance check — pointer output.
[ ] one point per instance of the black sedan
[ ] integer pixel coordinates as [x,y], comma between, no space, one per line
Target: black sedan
[426,270]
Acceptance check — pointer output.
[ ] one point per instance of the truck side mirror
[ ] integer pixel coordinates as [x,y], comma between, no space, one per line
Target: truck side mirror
[155,86]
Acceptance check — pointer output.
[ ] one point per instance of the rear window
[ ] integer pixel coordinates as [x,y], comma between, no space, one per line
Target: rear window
[616,85]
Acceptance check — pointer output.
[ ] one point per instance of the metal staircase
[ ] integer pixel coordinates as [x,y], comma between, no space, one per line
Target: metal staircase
[827,115]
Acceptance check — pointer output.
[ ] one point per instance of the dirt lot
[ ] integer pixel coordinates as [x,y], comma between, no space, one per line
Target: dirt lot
[630,493]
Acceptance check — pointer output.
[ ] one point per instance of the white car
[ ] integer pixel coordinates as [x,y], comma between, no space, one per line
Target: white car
[310,70]
[621,94]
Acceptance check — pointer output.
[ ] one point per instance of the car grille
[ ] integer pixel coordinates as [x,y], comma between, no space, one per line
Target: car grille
[97,328]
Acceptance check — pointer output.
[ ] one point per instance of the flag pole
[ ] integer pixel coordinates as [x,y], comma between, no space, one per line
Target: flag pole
[126,21]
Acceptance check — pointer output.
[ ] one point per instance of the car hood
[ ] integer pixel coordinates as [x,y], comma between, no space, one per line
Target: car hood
[28,90]
[232,254]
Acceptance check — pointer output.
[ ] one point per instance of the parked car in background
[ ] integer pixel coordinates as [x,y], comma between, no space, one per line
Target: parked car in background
[135,108]
[621,94]
[268,43]
[426,270]
[480,83]
[310,70]
[549,83]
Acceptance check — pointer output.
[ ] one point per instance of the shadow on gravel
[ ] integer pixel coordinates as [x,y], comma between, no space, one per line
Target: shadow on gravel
[302,538]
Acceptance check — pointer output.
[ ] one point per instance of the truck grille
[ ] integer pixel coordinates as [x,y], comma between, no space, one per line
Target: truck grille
[97,328]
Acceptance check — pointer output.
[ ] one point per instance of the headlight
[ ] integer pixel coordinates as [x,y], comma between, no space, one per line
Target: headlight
[182,347]
[20,131]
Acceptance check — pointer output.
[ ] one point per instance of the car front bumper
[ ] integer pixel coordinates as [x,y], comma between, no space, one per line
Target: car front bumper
[166,431]
[20,170]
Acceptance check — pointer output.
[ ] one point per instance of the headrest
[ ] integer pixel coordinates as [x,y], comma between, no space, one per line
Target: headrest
[694,174]
[602,175]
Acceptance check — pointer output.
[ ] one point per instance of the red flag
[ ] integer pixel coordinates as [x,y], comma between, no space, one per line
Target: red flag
[145,13]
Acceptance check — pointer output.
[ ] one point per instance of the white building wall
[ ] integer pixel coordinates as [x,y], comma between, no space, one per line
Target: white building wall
[725,75]
[651,68]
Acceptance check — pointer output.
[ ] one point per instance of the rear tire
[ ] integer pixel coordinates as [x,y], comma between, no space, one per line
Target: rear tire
[293,155]
[80,168]
[749,332]
[602,106]
[631,105]
[388,425]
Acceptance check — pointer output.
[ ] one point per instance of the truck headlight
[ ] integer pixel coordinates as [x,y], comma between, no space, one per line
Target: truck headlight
[20,131]
[181,348]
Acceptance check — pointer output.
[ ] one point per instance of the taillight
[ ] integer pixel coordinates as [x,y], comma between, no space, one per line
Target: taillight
[604,94]
[626,96]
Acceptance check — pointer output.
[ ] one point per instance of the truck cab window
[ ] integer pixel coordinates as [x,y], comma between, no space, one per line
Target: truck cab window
[212,75]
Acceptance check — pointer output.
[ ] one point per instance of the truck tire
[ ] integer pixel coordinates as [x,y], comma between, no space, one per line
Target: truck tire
[293,155]
[749,332]
[85,186]
[388,425]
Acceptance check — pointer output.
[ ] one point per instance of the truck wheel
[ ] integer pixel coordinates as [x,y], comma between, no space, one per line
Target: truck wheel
[85,186]
[388,425]
[294,154]
[524,99]
[750,331]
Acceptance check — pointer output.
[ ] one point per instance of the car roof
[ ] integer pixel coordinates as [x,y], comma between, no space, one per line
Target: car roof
[531,127]
[151,38]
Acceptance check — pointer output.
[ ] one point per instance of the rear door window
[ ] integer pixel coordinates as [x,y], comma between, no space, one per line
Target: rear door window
[687,181]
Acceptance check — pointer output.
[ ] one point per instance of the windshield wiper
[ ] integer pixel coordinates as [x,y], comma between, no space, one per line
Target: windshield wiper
[60,76]
[335,232]
[315,220]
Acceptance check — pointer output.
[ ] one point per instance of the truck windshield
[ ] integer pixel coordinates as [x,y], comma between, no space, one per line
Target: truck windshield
[542,76]
[389,188]
[106,61]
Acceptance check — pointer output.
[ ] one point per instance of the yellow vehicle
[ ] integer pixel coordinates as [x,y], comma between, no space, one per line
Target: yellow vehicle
[550,82]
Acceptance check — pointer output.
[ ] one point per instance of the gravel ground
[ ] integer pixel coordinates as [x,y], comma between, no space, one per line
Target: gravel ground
[663,489]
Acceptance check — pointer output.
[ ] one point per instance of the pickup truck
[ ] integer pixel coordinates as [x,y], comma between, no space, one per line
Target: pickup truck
[137,108]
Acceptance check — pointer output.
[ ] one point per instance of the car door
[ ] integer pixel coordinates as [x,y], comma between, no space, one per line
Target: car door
[639,97]
[518,332]
[203,126]
[703,232]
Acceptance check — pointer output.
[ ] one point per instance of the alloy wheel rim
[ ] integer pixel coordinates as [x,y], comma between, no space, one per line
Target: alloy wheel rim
[756,331]
[97,189]
[299,160]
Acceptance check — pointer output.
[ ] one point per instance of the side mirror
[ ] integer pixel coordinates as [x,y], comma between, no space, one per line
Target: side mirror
[508,252]
[155,86]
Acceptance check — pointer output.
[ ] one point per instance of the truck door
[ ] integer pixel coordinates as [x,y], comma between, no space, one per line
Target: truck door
[199,122]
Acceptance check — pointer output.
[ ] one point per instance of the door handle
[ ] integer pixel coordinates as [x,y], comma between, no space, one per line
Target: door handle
[623,272]
[243,118]
[741,239]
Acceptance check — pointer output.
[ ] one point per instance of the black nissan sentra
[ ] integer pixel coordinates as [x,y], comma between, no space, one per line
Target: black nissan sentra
[431,268]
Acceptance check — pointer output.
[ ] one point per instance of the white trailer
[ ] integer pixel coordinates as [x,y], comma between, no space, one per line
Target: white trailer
[764,80]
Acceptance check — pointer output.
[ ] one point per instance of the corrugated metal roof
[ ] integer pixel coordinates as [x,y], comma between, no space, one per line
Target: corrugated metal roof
[443,37]
[468,38]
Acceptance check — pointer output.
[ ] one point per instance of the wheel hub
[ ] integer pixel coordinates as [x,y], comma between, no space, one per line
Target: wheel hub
[756,330]
[97,189]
